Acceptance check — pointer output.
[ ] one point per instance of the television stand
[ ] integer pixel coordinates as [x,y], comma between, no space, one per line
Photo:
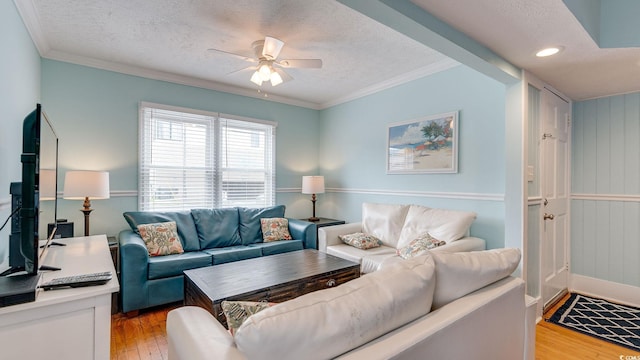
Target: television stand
[83,313]
[53,243]
[49,268]
[16,269]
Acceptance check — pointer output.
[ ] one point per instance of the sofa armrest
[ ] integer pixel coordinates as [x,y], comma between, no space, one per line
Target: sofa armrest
[328,235]
[134,260]
[194,334]
[303,230]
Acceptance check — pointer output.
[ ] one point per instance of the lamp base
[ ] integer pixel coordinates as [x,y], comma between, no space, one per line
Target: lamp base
[313,219]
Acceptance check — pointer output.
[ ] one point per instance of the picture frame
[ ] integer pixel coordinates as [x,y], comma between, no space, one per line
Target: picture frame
[427,145]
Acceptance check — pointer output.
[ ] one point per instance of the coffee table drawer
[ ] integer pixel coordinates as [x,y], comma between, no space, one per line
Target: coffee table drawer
[330,280]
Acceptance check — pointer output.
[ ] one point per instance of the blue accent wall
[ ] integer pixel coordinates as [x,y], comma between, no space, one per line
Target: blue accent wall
[19,93]
[353,150]
[605,206]
[96,115]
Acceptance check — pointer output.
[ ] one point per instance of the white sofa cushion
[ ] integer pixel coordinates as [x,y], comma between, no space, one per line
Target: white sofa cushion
[356,255]
[442,224]
[458,274]
[327,323]
[384,221]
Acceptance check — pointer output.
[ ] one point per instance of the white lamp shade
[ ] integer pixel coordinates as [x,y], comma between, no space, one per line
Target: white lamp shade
[47,184]
[79,184]
[313,184]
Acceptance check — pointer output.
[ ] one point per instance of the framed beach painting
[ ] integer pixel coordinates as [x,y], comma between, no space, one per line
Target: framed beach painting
[426,145]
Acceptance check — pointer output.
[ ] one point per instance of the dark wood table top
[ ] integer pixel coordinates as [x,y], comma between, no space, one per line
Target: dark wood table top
[240,277]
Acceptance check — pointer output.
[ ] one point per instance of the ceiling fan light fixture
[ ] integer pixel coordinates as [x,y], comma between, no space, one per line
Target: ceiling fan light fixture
[276,79]
[256,78]
[265,71]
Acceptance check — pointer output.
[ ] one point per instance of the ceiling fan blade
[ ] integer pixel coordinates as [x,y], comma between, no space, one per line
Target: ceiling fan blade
[301,63]
[272,47]
[243,69]
[243,57]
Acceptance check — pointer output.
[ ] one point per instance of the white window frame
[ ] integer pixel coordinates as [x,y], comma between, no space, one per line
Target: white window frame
[246,192]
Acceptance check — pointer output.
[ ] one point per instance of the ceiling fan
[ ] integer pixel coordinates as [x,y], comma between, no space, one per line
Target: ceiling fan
[268,67]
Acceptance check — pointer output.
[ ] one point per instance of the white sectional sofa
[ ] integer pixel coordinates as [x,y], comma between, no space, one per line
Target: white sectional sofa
[433,306]
[396,225]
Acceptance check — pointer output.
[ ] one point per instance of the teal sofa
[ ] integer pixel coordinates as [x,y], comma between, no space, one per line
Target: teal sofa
[209,237]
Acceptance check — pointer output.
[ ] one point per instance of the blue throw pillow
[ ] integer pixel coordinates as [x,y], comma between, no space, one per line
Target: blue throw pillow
[250,228]
[184,222]
[217,227]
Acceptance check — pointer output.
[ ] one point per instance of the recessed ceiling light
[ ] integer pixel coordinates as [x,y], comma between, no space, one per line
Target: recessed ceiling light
[549,51]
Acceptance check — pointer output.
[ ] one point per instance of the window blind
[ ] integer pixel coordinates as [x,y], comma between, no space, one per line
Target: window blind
[201,160]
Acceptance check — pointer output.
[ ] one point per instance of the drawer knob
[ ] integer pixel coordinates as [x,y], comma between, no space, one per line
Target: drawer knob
[331,282]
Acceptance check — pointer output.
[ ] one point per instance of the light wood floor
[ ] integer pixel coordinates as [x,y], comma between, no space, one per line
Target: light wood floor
[144,337]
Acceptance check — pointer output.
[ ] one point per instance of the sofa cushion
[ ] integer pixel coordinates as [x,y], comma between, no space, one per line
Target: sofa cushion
[356,255]
[384,221]
[332,321]
[161,238]
[172,265]
[217,227]
[361,240]
[274,229]
[458,274]
[232,253]
[419,245]
[249,226]
[184,222]
[278,247]
[442,224]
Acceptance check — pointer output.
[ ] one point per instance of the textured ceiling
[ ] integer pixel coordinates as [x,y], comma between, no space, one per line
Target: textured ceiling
[168,40]
[172,36]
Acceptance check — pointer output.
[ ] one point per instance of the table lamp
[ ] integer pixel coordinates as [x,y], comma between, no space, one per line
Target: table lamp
[313,185]
[87,185]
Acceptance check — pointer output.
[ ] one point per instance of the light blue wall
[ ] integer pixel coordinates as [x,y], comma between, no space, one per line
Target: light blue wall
[353,150]
[19,93]
[96,115]
[605,210]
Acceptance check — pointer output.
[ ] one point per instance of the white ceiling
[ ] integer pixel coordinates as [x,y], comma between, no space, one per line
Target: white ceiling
[168,40]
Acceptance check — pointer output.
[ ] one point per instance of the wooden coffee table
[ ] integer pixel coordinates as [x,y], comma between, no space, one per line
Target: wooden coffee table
[273,278]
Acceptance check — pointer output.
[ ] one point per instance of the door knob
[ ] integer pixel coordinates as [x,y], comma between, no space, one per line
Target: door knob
[548,216]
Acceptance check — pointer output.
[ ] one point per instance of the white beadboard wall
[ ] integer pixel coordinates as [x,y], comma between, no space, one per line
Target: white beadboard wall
[605,206]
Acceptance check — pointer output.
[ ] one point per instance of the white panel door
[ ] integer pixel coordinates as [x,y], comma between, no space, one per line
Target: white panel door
[555,191]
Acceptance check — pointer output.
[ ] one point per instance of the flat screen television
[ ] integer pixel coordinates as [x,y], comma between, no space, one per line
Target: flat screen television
[39,185]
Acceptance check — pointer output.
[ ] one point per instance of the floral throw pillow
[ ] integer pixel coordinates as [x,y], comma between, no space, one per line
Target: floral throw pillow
[161,238]
[419,245]
[237,312]
[275,229]
[361,240]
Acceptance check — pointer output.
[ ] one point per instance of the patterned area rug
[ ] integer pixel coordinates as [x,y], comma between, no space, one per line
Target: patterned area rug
[618,324]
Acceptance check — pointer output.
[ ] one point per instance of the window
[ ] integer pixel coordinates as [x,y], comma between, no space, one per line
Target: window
[192,159]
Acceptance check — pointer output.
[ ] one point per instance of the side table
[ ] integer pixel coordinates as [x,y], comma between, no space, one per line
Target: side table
[324,222]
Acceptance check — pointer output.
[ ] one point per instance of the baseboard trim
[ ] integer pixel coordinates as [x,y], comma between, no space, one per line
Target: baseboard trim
[603,289]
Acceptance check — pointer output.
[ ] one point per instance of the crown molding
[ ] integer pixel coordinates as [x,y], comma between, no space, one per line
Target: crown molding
[31,21]
[430,69]
[173,78]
